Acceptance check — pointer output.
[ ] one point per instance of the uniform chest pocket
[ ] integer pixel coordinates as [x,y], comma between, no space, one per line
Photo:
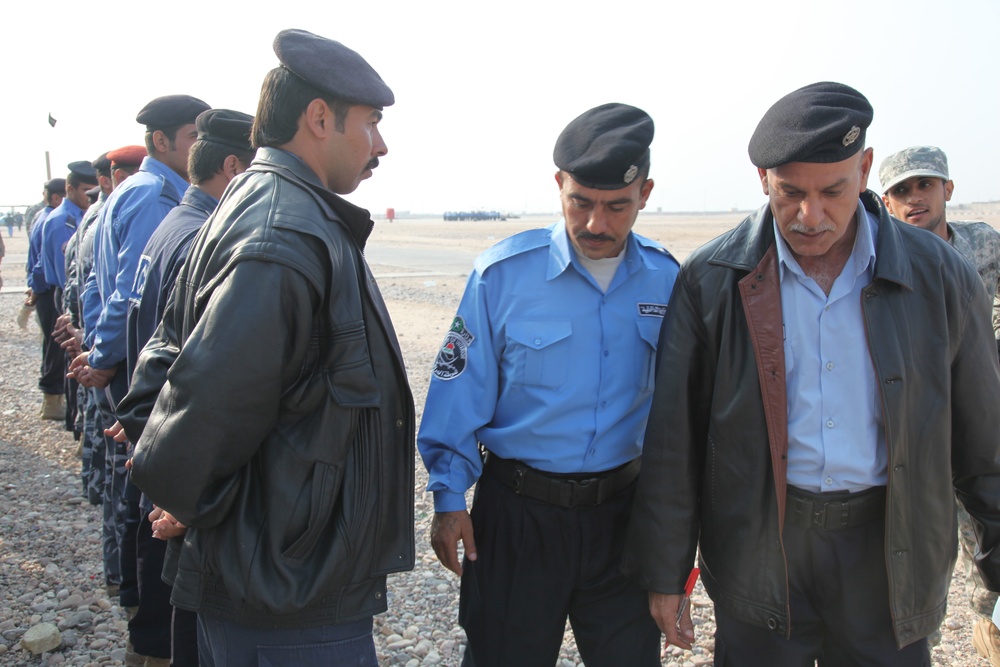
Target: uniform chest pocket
[649,334]
[539,352]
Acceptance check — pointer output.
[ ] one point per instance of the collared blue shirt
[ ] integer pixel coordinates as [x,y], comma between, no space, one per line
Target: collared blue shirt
[835,437]
[33,267]
[161,261]
[126,222]
[542,366]
[56,231]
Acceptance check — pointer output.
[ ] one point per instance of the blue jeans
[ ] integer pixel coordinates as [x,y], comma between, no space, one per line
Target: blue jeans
[224,643]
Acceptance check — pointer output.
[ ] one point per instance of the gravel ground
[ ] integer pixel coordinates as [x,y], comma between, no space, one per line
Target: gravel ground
[50,564]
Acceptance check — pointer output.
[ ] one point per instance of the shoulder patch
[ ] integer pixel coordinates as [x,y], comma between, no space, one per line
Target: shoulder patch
[453,356]
[652,309]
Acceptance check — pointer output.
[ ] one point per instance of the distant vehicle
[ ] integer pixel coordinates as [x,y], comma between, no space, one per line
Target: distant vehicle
[474,215]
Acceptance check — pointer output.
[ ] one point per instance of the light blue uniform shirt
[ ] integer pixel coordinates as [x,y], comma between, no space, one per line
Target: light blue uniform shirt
[542,366]
[835,437]
[127,220]
[35,273]
[56,230]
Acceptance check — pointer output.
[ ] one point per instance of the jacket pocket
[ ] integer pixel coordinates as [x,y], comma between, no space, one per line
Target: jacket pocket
[319,499]
[350,379]
[540,351]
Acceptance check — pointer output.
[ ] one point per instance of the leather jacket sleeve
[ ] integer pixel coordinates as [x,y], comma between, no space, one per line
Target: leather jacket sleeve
[975,450]
[663,529]
[223,392]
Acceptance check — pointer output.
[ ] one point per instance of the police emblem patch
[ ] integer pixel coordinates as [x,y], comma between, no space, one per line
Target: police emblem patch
[652,309]
[630,175]
[453,356]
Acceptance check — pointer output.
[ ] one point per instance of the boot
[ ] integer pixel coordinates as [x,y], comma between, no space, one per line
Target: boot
[53,407]
[986,639]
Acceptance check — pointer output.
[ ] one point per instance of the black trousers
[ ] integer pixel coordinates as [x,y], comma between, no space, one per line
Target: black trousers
[149,629]
[537,565]
[53,369]
[839,607]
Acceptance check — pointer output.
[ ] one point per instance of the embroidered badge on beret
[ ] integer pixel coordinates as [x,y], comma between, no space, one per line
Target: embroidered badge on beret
[630,175]
[453,356]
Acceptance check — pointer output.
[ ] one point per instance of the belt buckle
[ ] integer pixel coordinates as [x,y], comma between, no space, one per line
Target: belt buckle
[577,489]
[834,515]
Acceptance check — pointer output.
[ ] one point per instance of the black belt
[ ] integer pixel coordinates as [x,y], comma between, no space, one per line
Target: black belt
[833,511]
[561,490]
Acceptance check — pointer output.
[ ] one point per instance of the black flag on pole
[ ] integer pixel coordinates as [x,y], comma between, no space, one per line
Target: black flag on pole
[52,121]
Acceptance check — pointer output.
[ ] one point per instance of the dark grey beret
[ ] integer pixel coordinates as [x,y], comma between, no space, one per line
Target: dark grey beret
[821,122]
[605,147]
[83,170]
[225,127]
[170,111]
[56,186]
[332,67]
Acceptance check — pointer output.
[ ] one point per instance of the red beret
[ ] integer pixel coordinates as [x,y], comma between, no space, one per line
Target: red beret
[129,156]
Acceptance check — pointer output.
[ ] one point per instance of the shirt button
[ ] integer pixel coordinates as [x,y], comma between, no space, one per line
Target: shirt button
[606,353]
[399,423]
[829,365]
[828,481]
[829,423]
[538,341]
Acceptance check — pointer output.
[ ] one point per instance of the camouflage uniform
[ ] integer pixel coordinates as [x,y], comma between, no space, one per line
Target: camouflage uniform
[115,476]
[79,260]
[980,244]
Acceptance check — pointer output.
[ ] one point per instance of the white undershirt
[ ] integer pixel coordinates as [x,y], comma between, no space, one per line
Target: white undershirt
[602,270]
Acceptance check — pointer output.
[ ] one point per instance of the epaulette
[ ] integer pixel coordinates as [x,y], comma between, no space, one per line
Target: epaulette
[513,245]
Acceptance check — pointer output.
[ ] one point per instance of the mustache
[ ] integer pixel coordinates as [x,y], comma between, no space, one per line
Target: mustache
[806,229]
[587,236]
[372,163]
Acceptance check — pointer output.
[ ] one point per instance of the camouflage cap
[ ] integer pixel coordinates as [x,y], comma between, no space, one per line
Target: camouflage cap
[913,161]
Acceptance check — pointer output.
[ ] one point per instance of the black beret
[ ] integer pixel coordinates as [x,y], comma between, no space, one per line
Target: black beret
[821,122]
[332,67]
[83,170]
[225,127]
[56,186]
[102,163]
[170,111]
[605,147]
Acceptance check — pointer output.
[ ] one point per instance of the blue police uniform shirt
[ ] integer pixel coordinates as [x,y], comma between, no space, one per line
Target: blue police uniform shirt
[835,437]
[128,219]
[56,231]
[163,258]
[33,267]
[543,366]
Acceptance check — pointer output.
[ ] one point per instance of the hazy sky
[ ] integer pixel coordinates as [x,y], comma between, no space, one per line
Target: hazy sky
[484,88]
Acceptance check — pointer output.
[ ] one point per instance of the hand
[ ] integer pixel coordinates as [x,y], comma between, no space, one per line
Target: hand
[663,609]
[59,329]
[74,344]
[117,433]
[447,528]
[30,299]
[165,525]
[81,371]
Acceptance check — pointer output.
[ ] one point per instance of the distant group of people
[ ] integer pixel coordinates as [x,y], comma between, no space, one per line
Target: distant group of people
[793,410]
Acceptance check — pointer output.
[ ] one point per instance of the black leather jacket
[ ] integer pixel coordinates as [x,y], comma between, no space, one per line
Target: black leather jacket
[713,470]
[284,432]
